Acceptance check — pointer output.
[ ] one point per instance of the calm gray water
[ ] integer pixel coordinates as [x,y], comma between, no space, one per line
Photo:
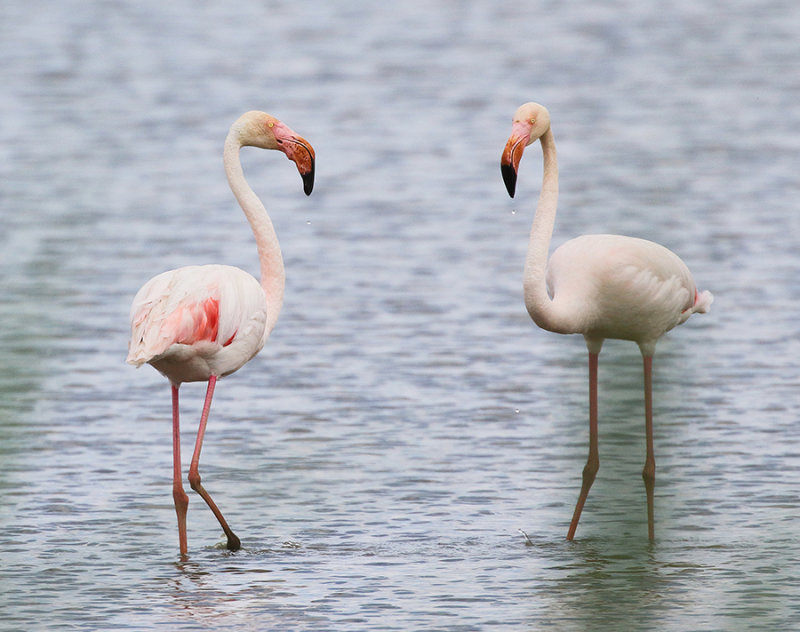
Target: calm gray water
[406,419]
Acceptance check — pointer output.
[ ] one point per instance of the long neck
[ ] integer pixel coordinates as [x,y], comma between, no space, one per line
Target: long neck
[538,302]
[273,278]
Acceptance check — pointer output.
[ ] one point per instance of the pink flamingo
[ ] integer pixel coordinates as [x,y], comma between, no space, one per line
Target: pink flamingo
[601,286]
[200,323]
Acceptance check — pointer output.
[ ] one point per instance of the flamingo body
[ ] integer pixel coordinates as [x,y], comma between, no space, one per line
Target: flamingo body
[626,288]
[601,286]
[201,323]
[198,321]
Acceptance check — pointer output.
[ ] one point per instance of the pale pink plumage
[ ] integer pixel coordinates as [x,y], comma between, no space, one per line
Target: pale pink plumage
[612,286]
[201,323]
[601,286]
[198,321]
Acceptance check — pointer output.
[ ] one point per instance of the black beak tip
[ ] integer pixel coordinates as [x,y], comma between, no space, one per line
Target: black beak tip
[308,181]
[510,178]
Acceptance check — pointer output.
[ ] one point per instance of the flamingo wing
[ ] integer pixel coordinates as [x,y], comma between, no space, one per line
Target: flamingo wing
[623,287]
[202,307]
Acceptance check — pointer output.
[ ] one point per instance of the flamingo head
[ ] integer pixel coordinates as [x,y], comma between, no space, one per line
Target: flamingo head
[259,129]
[530,122]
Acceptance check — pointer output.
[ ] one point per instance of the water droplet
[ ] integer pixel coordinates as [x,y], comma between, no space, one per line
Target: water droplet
[308,222]
[513,211]
[516,410]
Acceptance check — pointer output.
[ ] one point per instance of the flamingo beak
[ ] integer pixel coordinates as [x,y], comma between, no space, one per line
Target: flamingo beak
[301,153]
[512,154]
[298,150]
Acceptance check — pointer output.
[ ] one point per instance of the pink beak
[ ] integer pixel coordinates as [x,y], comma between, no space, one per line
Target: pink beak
[299,151]
[512,154]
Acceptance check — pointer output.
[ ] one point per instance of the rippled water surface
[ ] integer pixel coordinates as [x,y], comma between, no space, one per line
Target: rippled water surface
[406,422]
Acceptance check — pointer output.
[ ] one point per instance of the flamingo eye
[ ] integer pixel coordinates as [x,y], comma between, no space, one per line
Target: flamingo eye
[533,121]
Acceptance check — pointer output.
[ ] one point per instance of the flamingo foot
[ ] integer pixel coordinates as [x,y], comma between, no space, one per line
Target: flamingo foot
[234,543]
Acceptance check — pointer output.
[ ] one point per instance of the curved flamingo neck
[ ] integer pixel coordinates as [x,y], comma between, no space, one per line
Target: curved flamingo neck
[273,276]
[540,306]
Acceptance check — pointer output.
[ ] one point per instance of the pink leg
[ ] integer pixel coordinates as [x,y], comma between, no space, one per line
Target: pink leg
[593,462]
[234,543]
[649,471]
[178,494]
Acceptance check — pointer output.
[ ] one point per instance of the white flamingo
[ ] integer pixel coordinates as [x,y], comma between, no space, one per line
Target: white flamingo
[200,323]
[601,286]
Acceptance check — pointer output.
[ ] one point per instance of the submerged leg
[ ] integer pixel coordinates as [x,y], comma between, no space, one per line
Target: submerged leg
[194,475]
[178,493]
[649,471]
[593,462]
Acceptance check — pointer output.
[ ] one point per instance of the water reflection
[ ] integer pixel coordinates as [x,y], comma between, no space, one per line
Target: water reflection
[606,588]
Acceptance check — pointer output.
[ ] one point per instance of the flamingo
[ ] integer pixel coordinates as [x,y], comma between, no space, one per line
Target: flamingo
[601,286]
[201,323]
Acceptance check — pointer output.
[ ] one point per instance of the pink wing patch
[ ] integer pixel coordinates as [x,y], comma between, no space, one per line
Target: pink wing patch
[199,322]
[196,306]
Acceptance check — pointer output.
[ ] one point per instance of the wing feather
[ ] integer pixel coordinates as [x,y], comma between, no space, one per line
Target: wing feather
[203,306]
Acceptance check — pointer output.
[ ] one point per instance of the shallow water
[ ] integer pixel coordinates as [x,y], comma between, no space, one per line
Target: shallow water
[406,423]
